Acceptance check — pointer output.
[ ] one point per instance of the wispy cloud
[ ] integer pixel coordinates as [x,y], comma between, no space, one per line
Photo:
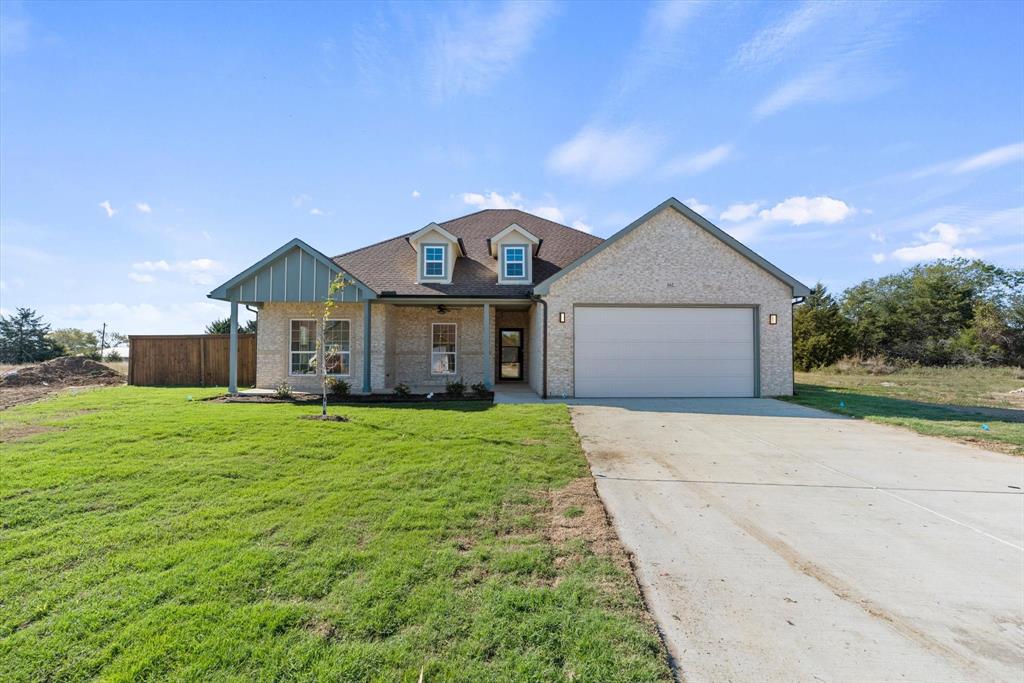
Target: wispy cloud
[993,158]
[698,163]
[141,278]
[604,155]
[661,45]
[471,51]
[301,199]
[143,207]
[415,194]
[844,41]
[316,212]
[943,240]
[110,210]
[699,206]
[545,209]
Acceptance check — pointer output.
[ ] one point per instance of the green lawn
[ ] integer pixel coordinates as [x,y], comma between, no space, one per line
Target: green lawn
[147,536]
[957,403]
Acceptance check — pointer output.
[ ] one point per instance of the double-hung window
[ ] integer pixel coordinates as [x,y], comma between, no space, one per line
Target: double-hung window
[303,348]
[515,262]
[443,348]
[337,347]
[433,261]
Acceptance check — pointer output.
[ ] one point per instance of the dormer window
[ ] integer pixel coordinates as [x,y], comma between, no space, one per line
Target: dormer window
[515,262]
[434,260]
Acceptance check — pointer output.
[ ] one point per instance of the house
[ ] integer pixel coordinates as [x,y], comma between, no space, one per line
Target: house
[669,306]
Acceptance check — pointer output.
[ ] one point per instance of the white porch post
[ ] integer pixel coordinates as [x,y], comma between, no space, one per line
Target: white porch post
[366,346]
[488,343]
[233,351]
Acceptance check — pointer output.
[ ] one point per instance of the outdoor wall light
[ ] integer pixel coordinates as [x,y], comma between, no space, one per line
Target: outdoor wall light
[773,319]
[561,317]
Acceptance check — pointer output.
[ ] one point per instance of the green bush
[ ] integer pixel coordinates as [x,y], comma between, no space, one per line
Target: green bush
[455,387]
[480,389]
[283,390]
[402,390]
[338,388]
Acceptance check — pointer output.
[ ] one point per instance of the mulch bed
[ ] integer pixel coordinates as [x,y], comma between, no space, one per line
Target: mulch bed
[306,399]
[325,418]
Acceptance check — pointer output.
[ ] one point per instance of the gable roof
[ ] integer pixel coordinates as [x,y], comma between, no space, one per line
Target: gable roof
[390,266]
[269,278]
[799,289]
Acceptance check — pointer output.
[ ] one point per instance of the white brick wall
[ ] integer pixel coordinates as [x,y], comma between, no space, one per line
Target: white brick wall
[671,260]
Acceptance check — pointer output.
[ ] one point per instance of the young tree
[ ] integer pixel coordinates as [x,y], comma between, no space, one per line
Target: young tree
[323,314]
[23,338]
[76,342]
[821,334]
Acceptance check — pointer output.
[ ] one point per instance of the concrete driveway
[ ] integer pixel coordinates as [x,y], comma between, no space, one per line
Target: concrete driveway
[779,543]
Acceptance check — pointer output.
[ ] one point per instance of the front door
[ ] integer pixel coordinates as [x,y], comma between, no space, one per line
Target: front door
[510,354]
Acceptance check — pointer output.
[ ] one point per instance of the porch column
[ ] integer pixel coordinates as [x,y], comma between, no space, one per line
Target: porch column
[233,351]
[488,343]
[366,346]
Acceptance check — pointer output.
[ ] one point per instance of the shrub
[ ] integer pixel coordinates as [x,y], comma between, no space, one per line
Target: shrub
[402,390]
[284,390]
[480,389]
[338,388]
[455,387]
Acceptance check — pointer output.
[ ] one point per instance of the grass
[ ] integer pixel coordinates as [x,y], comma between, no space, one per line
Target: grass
[148,536]
[967,404]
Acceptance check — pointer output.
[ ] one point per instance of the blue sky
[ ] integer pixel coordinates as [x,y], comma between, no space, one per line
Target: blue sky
[150,151]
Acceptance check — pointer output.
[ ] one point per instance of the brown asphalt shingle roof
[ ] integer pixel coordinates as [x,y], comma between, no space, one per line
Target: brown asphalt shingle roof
[390,266]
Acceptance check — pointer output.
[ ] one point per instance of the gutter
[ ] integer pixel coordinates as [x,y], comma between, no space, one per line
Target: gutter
[797,300]
[544,345]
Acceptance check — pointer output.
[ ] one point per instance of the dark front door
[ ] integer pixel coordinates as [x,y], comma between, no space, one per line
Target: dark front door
[510,353]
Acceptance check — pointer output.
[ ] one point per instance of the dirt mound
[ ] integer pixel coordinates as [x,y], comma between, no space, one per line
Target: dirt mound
[66,371]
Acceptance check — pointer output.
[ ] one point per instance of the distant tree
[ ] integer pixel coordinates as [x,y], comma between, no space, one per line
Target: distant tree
[76,342]
[821,334]
[223,326]
[114,356]
[23,338]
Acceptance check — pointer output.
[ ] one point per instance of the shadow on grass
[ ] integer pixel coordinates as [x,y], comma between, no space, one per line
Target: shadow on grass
[853,404]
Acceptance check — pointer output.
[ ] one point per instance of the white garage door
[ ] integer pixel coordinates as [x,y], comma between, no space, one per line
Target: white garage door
[659,351]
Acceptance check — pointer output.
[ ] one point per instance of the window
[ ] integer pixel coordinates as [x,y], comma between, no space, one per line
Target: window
[303,347]
[443,348]
[515,263]
[433,261]
[336,346]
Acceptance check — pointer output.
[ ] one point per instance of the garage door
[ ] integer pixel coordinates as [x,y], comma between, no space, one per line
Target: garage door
[659,351]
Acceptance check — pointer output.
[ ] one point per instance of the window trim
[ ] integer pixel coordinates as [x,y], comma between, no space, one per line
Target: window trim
[292,353]
[504,262]
[316,327]
[348,353]
[444,261]
[455,353]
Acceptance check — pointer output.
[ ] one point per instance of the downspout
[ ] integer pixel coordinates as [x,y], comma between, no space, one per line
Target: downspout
[544,346]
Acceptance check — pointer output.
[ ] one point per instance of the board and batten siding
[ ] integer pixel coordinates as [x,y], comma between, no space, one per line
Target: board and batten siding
[296,275]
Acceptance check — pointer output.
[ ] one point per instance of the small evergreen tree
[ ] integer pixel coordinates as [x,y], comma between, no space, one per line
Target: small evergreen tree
[821,334]
[24,338]
[223,326]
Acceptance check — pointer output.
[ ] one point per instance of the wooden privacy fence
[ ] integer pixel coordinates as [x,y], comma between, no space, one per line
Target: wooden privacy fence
[189,360]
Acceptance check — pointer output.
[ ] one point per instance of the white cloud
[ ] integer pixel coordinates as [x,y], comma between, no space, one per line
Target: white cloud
[143,207]
[878,258]
[471,51]
[514,200]
[316,212]
[415,194]
[197,271]
[583,227]
[740,212]
[698,206]
[803,210]
[877,236]
[604,156]
[991,159]
[105,205]
[942,240]
[770,43]
[180,318]
[141,278]
[299,200]
[698,163]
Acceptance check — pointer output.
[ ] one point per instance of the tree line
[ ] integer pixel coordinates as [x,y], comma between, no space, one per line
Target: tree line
[948,312]
[26,338]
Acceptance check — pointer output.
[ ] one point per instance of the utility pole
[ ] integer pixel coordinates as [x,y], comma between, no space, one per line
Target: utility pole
[103,340]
